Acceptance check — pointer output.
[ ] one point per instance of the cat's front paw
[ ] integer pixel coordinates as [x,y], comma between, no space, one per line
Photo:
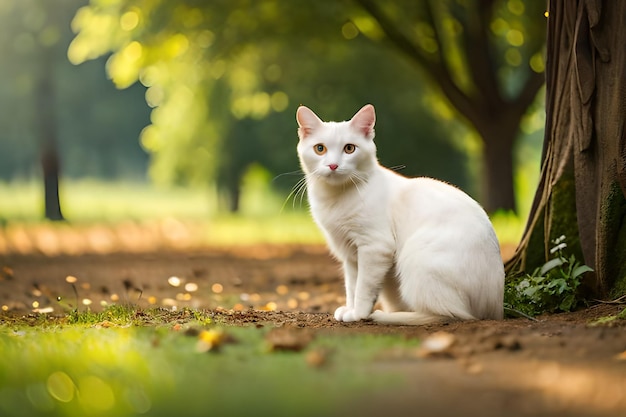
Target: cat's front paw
[347,314]
[341,312]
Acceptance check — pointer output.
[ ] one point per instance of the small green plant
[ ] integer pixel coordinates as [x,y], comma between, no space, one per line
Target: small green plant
[550,288]
[114,314]
[125,315]
[610,319]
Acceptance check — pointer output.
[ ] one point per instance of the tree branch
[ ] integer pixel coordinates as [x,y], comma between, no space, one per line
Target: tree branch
[436,70]
[478,53]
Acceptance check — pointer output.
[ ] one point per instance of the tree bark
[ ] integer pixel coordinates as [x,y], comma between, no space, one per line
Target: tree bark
[582,190]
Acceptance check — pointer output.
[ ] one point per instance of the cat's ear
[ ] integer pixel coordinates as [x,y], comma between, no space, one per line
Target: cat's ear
[364,120]
[307,122]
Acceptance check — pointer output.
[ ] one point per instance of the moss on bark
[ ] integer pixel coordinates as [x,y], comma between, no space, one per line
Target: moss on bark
[563,219]
[614,223]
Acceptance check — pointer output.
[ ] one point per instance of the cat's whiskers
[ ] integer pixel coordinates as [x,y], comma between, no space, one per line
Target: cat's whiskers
[302,190]
[357,179]
[362,179]
[297,172]
[298,189]
[318,173]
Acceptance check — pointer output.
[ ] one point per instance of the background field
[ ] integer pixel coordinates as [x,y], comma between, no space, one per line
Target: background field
[140,215]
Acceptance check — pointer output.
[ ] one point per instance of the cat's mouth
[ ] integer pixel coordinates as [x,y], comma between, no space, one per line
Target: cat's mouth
[332,173]
[335,176]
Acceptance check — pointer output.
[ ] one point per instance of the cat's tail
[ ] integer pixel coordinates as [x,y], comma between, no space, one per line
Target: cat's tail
[408,318]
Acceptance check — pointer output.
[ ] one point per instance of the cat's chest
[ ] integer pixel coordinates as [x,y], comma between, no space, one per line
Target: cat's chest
[334,218]
[351,220]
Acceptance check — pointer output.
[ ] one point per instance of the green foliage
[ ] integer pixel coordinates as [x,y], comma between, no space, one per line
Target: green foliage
[440,32]
[225,77]
[222,80]
[550,288]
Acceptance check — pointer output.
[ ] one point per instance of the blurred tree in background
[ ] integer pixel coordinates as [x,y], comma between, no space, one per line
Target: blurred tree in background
[213,70]
[216,71]
[486,58]
[37,34]
[65,117]
[222,80]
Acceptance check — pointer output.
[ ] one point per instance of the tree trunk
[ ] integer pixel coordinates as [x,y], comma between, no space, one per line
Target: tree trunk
[47,131]
[50,166]
[498,180]
[498,188]
[46,115]
[234,195]
[583,180]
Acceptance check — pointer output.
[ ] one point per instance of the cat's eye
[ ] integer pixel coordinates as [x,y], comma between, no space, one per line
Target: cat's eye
[349,148]
[319,149]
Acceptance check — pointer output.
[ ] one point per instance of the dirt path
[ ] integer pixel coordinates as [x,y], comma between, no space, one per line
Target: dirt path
[558,365]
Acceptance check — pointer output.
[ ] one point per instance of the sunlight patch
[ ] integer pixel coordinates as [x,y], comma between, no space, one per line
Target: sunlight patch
[61,387]
[174,281]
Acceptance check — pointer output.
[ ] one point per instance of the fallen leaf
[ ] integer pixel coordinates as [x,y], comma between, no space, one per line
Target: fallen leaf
[474,368]
[288,339]
[317,358]
[436,345]
[7,273]
[508,343]
[210,340]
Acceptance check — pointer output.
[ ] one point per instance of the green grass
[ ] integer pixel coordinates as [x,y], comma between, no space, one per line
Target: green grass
[99,201]
[149,364]
[610,319]
[509,226]
[157,211]
[282,228]
[264,217]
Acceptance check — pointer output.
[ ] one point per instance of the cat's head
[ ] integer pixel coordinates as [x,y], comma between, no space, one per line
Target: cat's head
[337,152]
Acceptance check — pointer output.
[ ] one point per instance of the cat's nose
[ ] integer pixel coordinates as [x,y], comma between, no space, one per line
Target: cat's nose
[333,167]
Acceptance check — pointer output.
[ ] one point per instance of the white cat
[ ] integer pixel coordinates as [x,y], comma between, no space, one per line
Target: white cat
[425,249]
